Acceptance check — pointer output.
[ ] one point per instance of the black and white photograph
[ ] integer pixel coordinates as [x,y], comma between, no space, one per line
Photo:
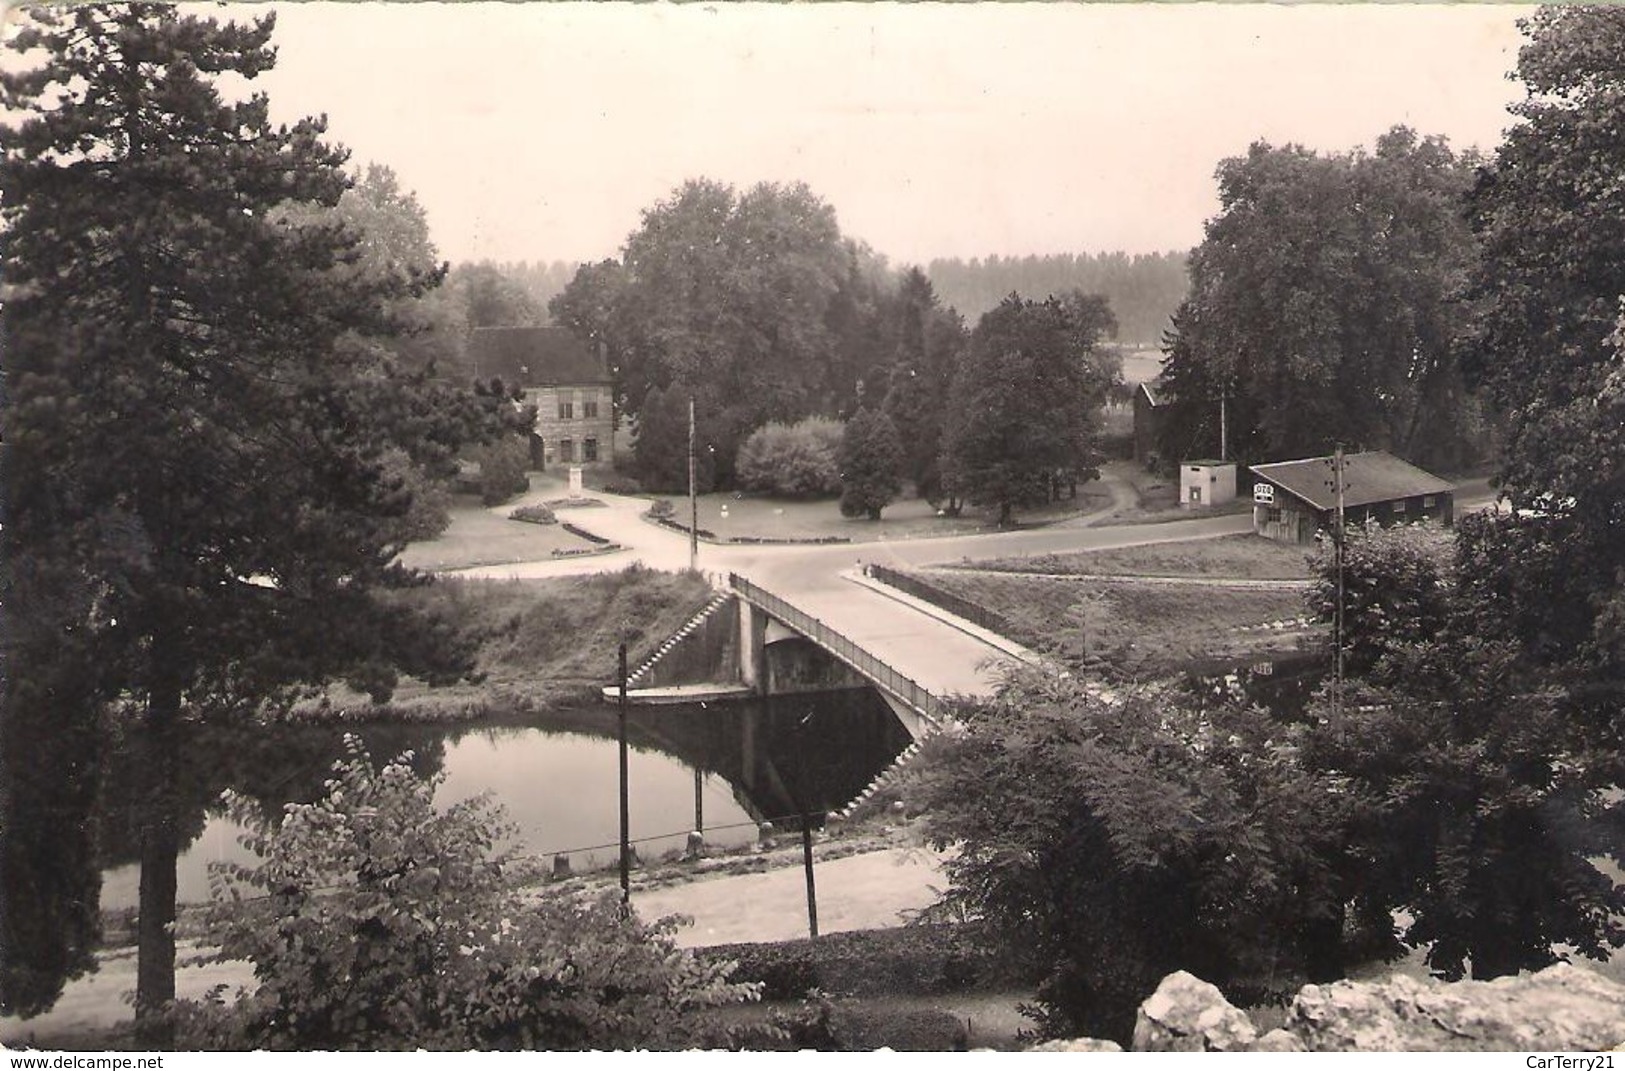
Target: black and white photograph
[597,527]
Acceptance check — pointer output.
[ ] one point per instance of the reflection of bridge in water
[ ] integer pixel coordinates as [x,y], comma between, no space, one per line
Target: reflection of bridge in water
[780,755]
[799,702]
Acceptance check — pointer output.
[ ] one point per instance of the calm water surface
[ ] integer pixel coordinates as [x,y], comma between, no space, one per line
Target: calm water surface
[752,760]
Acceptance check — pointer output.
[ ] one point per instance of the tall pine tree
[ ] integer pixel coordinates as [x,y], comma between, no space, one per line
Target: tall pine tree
[195,425]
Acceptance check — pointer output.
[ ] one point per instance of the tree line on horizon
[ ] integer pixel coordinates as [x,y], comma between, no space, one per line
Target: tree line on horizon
[1143,289]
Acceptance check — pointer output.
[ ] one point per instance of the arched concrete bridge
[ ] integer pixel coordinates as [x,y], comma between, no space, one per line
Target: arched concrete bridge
[914,660]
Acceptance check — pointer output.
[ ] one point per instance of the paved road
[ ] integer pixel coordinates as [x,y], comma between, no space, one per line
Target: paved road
[938,656]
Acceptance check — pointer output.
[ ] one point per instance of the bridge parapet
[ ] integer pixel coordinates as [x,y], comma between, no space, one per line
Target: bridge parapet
[901,688]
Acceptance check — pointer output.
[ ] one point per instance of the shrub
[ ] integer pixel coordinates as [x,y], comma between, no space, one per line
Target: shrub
[376,921]
[1109,843]
[537,514]
[871,460]
[427,514]
[796,460]
[1396,588]
[661,508]
[502,469]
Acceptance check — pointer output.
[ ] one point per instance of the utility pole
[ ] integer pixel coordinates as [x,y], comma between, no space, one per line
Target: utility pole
[1339,484]
[1224,427]
[807,865]
[693,500]
[626,822]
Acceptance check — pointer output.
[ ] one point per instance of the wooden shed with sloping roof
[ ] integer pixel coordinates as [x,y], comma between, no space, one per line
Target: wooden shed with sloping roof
[1292,500]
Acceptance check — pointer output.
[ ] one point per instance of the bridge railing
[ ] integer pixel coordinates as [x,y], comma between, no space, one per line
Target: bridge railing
[907,689]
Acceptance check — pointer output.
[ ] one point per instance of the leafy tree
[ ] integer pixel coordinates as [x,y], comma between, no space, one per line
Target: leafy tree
[871,459]
[800,460]
[502,469]
[490,298]
[661,446]
[394,239]
[376,921]
[50,778]
[1025,401]
[1476,808]
[197,428]
[1109,843]
[920,379]
[1478,779]
[595,307]
[1548,347]
[1325,302]
[1397,587]
[751,303]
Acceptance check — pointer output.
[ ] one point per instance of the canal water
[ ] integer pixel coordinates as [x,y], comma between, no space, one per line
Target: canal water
[720,767]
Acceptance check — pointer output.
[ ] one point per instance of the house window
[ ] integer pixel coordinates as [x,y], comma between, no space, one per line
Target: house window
[1273,515]
[567,450]
[589,447]
[589,411]
[566,410]
[1429,502]
[1399,507]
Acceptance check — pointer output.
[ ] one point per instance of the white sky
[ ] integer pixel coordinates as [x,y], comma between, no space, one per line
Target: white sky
[539,131]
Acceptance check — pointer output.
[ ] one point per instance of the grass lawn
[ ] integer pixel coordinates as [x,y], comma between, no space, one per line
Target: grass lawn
[541,643]
[751,516]
[477,536]
[1169,626]
[1242,557]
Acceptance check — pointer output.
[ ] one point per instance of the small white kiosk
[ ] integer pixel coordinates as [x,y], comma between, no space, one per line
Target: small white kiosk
[1206,483]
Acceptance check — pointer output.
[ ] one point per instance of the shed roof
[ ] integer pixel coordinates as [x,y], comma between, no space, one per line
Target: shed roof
[1368,477]
[535,357]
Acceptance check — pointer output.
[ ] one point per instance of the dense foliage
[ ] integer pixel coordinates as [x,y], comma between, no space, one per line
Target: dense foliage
[198,421]
[1326,299]
[1396,588]
[1480,784]
[800,460]
[920,380]
[1025,401]
[870,461]
[751,303]
[376,921]
[1111,842]
[1551,216]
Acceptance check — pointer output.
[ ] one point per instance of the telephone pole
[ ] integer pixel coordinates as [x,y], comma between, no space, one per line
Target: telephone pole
[1339,484]
[693,500]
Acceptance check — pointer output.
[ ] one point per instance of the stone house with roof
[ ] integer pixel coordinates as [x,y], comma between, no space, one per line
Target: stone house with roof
[1292,500]
[567,380]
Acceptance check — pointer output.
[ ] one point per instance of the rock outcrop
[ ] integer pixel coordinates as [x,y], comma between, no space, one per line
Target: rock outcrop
[1186,1014]
[1562,1008]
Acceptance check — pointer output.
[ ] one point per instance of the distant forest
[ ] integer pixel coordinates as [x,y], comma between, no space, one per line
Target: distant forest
[1144,289]
[541,280]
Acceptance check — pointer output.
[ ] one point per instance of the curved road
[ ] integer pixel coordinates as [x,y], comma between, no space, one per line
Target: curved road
[814,578]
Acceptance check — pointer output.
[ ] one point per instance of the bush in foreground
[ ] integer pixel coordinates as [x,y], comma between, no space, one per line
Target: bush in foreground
[1110,843]
[375,921]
